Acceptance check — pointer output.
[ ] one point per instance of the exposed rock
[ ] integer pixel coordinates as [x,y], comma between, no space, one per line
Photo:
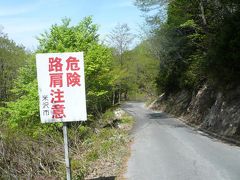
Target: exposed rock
[118,113]
[115,120]
[217,111]
[174,103]
[201,104]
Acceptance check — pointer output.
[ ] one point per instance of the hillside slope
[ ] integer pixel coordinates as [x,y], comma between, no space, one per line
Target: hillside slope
[209,109]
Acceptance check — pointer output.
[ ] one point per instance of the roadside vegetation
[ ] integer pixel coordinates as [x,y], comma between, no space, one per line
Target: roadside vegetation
[195,41]
[29,149]
[185,45]
[197,45]
[95,152]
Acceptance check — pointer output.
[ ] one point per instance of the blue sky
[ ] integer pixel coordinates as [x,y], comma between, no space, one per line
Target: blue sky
[23,20]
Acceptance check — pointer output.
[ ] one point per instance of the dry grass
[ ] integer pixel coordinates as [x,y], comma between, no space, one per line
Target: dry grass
[94,153]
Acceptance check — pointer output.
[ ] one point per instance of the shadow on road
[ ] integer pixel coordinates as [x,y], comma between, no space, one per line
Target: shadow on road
[104,178]
[165,120]
[157,116]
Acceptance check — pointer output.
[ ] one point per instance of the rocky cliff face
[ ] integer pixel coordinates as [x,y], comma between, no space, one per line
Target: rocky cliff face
[209,109]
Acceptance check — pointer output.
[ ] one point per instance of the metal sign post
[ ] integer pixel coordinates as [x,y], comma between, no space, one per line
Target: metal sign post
[61,88]
[67,161]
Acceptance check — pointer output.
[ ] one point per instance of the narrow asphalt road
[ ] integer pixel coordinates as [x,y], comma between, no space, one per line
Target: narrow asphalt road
[166,149]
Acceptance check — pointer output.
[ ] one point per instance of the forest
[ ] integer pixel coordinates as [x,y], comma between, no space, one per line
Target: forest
[185,44]
[197,42]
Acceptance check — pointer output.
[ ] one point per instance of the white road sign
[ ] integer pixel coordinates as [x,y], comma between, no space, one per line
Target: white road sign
[61,87]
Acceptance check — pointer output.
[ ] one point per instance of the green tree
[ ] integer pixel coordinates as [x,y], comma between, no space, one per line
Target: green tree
[119,40]
[189,43]
[12,57]
[196,42]
[223,54]
[24,111]
[137,74]
[143,68]
[97,57]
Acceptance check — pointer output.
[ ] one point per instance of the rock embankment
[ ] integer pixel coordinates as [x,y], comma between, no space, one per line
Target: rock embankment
[209,109]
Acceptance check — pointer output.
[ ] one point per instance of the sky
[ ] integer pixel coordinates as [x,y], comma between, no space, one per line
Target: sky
[24,20]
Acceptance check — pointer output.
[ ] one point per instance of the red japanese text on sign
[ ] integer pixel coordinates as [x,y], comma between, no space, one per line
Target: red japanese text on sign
[72,64]
[56,79]
[57,96]
[55,64]
[73,79]
[58,111]
[61,87]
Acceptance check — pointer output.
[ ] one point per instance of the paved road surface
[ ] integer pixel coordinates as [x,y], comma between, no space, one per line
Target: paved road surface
[165,149]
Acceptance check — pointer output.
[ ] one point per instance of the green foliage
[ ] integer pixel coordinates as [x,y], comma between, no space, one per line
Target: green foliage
[84,131]
[19,152]
[44,154]
[107,117]
[142,69]
[119,40]
[134,71]
[83,37]
[224,51]
[198,40]
[23,110]
[127,120]
[66,38]
[12,57]
[98,77]
[184,63]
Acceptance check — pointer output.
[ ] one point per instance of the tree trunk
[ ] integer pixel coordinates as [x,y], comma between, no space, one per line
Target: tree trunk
[119,96]
[113,98]
[202,13]
[126,95]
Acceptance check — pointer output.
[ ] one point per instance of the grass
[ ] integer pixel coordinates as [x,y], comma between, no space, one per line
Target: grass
[94,152]
[107,149]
